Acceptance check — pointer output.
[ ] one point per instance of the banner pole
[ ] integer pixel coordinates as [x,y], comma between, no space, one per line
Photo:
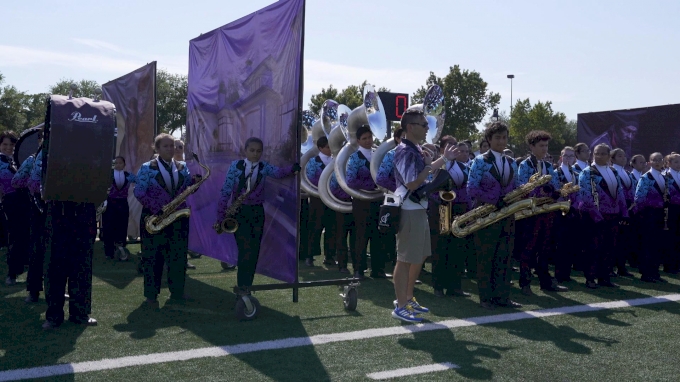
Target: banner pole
[297,146]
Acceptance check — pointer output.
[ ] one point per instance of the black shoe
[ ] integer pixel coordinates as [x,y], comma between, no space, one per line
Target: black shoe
[487,305]
[608,283]
[190,266]
[328,261]
[625,273]
[359,275]
[457,293]
[647,279]
[88,321]
[380,275]
[49,325]
[439,293]
[660,280]
[344,270]
[555,288]
[227,266]
[591,284]
[32,297]
[507,303]
[309,262]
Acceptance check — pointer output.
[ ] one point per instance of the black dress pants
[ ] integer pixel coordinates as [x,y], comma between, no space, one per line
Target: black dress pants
[114,223]
[450,253]
[494,248]
[568,243]
[16,206]
[36,252]
[248,240]
[321,220]
[366,225]
[166,247]
[72,229]
[652,220]
[344,226]
[536,250]
[599,260]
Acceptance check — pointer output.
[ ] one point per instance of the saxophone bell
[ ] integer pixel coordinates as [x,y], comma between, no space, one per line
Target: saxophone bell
[228,225]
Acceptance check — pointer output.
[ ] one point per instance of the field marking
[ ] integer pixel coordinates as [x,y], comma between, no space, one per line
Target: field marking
[412,371]
[319,339]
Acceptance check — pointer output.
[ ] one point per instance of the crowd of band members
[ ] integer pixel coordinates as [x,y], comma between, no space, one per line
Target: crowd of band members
[614,209]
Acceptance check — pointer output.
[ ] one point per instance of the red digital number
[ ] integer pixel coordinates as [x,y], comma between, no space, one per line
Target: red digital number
[400,105]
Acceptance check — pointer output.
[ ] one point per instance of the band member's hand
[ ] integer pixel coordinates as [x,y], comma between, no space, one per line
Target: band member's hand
[296,168]
[196,177]
[450,152]
[427,156]
[555,195]
[501,203]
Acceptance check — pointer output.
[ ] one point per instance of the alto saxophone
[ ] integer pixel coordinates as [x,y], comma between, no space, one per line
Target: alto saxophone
[486,215]
[156,223]
[593,191]
[229,224]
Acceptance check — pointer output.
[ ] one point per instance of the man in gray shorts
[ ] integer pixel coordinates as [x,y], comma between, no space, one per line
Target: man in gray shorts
[411,168]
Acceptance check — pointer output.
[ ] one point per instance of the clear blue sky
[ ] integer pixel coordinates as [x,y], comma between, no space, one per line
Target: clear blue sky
[582,55]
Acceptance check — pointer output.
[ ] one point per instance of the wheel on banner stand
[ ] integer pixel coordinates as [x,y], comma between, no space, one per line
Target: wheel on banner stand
[194,255]
[227,266]
[247,308]
[350,297]
[123,253]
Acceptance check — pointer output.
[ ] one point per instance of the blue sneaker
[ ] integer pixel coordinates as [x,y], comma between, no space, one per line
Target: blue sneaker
[417,307]
[406,314]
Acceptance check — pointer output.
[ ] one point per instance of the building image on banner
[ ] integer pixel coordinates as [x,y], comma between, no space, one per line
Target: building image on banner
[636,131]
[134,95]
[244,81]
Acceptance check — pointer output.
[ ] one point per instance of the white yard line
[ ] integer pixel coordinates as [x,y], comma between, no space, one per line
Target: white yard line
[412,371]
[320,339]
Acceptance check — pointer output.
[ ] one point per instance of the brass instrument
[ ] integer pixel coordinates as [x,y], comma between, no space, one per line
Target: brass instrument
[548,204]
[229,224]
[484,216]
[156,223]
[445,213]
[665,208]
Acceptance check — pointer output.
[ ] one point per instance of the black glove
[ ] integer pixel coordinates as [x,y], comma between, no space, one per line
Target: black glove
[555,195]
[296,168]
[548,188]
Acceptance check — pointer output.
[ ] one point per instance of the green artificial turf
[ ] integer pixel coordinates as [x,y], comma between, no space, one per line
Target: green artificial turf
[628,344]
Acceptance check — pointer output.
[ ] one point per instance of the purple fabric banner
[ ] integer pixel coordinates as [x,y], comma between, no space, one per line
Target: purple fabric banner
[244,81]
[134,95]
[636,131]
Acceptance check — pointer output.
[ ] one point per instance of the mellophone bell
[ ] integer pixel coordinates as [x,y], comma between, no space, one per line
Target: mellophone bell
[79,143]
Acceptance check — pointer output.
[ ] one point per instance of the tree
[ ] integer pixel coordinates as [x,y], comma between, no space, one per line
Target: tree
[540,116]
[12,116]
[466,100]
[352,96]
[171,101]
[84,88]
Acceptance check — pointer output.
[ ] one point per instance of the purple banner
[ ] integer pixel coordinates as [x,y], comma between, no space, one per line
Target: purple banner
[636,131]
[244,81]
[134,95]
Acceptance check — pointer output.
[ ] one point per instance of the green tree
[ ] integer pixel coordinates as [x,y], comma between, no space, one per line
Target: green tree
[85,88]
[352,96]
[466,100]
[540,116]
[171,101]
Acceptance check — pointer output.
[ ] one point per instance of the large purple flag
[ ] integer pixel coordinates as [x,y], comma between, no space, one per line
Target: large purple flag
[245,81]
[134,95]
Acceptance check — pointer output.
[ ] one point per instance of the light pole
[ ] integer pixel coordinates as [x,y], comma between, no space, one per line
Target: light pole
[511,76]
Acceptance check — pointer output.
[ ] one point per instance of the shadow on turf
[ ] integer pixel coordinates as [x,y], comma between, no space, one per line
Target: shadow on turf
[211,317]
[116,273]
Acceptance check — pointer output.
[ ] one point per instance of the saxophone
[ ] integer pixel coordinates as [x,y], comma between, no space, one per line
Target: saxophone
[596,196]
[229,224]
[486,215]
[548,204]
[156,223]
[447,198]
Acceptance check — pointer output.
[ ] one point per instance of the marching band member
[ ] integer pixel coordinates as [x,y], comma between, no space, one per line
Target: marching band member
[624,242]
[568,246]
[537,229]
[385,179]
[158,182]
[453,251]
[320,216]
[344,227]
[601,198]
[36,249]
[639,164]
[178,156]
[365,212]
[70,230]
[672,264]
[14,202]
[650,200]
[582,152]
[492,176]
[115,218]
[246,179]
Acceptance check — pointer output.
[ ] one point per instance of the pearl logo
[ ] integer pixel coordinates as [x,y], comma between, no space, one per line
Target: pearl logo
[383,219]
[77,117]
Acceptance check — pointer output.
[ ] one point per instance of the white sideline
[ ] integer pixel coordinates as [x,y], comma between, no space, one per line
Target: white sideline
[412,371]
[320,339]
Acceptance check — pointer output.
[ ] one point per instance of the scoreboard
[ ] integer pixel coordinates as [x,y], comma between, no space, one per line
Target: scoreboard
[395,105]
